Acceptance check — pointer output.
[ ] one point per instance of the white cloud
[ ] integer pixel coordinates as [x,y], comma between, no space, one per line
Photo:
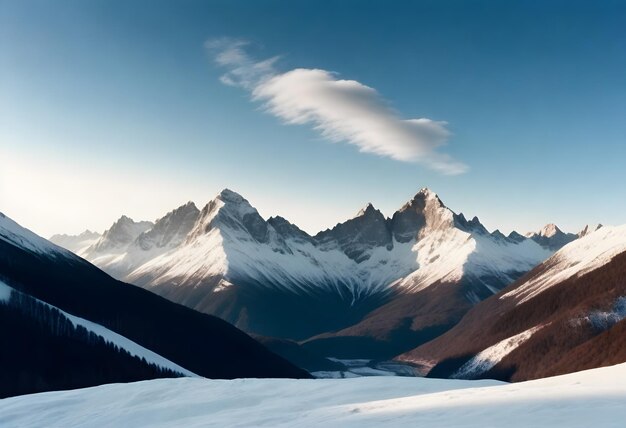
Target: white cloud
[341,110]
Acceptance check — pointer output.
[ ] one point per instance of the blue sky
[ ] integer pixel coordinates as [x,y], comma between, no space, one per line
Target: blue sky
[111,107]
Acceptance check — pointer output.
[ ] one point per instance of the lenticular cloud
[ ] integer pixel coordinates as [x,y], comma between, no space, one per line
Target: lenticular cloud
[341,110]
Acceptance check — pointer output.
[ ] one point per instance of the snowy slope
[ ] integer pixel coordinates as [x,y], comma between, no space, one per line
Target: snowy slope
[575,259]
[489,357]
[109,336]
[591,398]
[450,254]
[15,234]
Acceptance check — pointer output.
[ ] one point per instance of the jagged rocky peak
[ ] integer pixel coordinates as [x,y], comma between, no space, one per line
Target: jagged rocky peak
[368,210]
[551,237]
[356,236]
[516,237]
[286,229]
[233,214]
[124,231]
[550,230]
[425,210]
[228,195]
[472,226]
[589,229]
[171,229]
[498,235]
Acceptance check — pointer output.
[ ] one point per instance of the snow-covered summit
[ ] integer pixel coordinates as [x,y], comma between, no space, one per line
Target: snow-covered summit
[550,230]
[229,211]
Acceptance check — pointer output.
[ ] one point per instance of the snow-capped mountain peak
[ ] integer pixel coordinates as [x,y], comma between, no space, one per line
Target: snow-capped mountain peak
[123,232]
[550,230]
[424,211]
[233,215]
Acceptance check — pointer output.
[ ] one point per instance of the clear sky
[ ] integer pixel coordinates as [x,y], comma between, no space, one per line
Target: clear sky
[306,108]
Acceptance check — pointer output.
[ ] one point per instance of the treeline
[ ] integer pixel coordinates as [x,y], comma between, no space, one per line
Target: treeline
[42,350]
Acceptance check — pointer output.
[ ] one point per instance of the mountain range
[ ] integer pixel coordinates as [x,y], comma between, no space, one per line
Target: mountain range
[370,287]
[425,287]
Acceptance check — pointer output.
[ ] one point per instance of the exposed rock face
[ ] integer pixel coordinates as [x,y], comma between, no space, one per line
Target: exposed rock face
[424,210]
[123,232]
[551,237]
[170,230]
[516,237]
[588,229]
[368,229]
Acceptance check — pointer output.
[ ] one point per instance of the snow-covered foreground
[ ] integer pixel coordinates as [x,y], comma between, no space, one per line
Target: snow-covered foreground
[591,398]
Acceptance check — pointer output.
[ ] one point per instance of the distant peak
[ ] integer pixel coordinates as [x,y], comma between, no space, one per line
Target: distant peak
[124,221]
[518,237]
[497,234]
[550,230]
[589,229]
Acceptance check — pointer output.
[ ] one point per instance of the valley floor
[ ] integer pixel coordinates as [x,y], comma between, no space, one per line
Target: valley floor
[591,398]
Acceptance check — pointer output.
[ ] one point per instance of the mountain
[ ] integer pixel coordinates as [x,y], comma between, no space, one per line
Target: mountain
[110,250]
[565,315]
[458,264]
[385,283]
[76,243]
[67,324]
[551,237]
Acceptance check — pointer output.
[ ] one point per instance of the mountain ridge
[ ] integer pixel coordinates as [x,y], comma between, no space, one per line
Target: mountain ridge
[270,278]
